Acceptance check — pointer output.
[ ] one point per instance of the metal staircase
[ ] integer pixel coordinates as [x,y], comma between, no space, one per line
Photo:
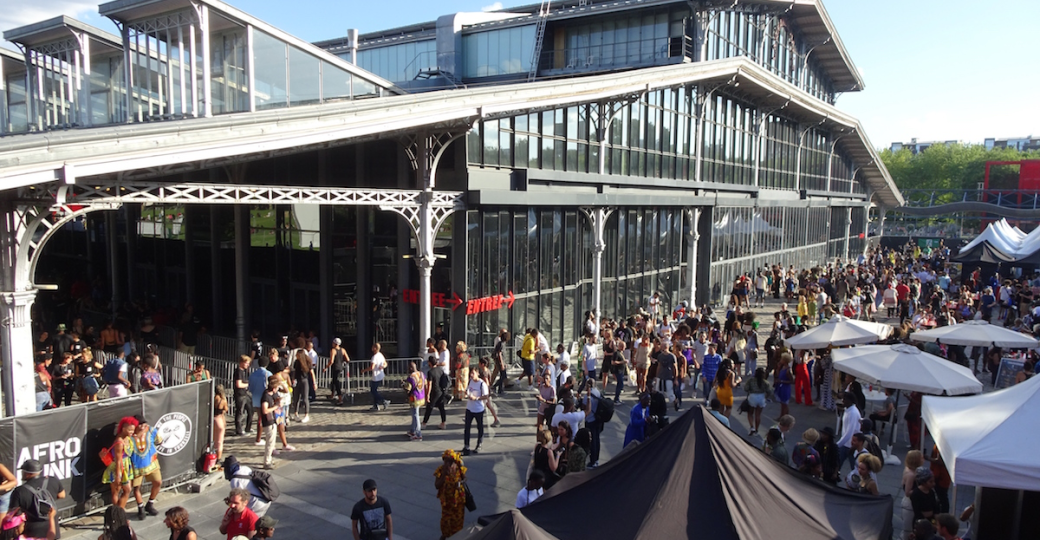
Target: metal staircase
[539,39]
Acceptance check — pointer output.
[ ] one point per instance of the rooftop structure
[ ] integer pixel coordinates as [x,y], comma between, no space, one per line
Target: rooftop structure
[534,163]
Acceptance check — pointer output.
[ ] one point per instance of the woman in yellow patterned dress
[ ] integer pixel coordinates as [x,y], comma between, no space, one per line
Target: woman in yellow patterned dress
[120,472]
[449,477]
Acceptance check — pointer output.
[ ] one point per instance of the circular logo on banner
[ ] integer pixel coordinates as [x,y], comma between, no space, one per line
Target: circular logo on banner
[175,430]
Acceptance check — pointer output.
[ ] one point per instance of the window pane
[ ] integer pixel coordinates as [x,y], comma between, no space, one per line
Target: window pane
[304,85]
[269,63]
[335,83]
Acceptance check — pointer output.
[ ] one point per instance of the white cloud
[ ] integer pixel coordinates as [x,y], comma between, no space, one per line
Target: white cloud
[493,7]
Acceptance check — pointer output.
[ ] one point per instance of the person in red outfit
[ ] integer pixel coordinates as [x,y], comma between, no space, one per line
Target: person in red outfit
[913,420]
[801,379]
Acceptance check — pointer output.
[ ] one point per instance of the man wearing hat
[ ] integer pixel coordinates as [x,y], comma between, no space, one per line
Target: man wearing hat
[265,528]
[32,475]
[370,518]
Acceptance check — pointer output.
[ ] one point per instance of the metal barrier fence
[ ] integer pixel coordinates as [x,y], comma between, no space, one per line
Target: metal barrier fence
[359,381]
[176,366]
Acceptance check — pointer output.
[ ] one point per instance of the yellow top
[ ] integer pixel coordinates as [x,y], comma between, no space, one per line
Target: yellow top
[527,351]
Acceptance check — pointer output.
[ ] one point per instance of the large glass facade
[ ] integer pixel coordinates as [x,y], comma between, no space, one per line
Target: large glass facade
[497,52]
[768,40]
[399,62]
[747,239]
[543,256]
[654,137]
[650,37]
[649,137]
[14,105]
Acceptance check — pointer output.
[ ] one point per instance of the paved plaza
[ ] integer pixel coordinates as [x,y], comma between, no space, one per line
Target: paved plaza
[342,446]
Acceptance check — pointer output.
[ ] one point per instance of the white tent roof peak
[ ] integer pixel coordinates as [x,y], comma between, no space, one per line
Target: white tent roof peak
[975,435]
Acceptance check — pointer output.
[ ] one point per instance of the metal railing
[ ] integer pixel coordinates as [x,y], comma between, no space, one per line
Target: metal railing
[1007,198]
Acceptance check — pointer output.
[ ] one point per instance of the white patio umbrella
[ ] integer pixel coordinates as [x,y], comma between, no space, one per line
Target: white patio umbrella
[977,333]
[905,367]
[839,331]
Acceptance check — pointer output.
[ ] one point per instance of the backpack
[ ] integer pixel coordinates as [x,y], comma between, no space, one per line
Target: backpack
[264,483]
[871,445]
[110,373]
[604,409]
[42,502]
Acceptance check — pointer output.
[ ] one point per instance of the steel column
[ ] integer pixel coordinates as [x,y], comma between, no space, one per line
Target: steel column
[848,232]
[131,214]
[693,236]
[424,259]
[216,297]
[598,220]
[17,228]
[111,238]
[17,351]
[241,272]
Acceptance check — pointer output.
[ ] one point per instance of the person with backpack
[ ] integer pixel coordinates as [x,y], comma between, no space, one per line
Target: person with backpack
[37,499]
[415,389]
[120,471]
[437,387]
[243,477]
[340,360]
[115,375]
[598,412]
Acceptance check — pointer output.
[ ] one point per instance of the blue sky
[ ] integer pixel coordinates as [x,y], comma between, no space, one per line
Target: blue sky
[935,69]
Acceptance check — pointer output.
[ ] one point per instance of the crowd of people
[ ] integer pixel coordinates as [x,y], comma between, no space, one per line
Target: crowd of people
[667,358]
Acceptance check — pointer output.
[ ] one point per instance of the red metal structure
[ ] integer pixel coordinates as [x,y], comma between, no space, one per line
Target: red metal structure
[1028,173]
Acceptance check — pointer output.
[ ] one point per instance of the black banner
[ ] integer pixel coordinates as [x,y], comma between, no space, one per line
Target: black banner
[55,438]
[175,414]
[67,441]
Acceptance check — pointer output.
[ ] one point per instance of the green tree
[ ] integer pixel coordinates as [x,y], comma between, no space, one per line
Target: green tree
[951,167]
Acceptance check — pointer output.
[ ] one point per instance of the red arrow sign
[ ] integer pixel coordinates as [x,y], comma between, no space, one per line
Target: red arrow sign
[511,299]
[455,300]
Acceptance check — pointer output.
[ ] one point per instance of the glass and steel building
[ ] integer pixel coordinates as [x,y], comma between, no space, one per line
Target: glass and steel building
[607,150]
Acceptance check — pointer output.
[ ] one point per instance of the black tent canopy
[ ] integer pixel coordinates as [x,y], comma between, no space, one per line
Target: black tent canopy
[983,252]
[697,479]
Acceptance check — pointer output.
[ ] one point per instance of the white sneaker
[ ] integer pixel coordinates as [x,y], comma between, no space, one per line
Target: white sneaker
[306,419]
[259,443]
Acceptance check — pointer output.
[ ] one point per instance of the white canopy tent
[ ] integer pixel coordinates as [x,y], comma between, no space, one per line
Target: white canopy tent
[839,331]
[977,333]
[1007,239]
[987,440]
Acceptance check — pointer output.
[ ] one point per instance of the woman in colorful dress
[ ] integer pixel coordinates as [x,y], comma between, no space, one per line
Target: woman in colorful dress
[119,473]
[448,482]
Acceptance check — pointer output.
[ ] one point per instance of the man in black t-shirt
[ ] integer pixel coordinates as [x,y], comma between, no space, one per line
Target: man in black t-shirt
[188,336]
[243,399]
[256,347]
[269,405]
[61,341]
[283,357]
[370,519]
[36,526]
